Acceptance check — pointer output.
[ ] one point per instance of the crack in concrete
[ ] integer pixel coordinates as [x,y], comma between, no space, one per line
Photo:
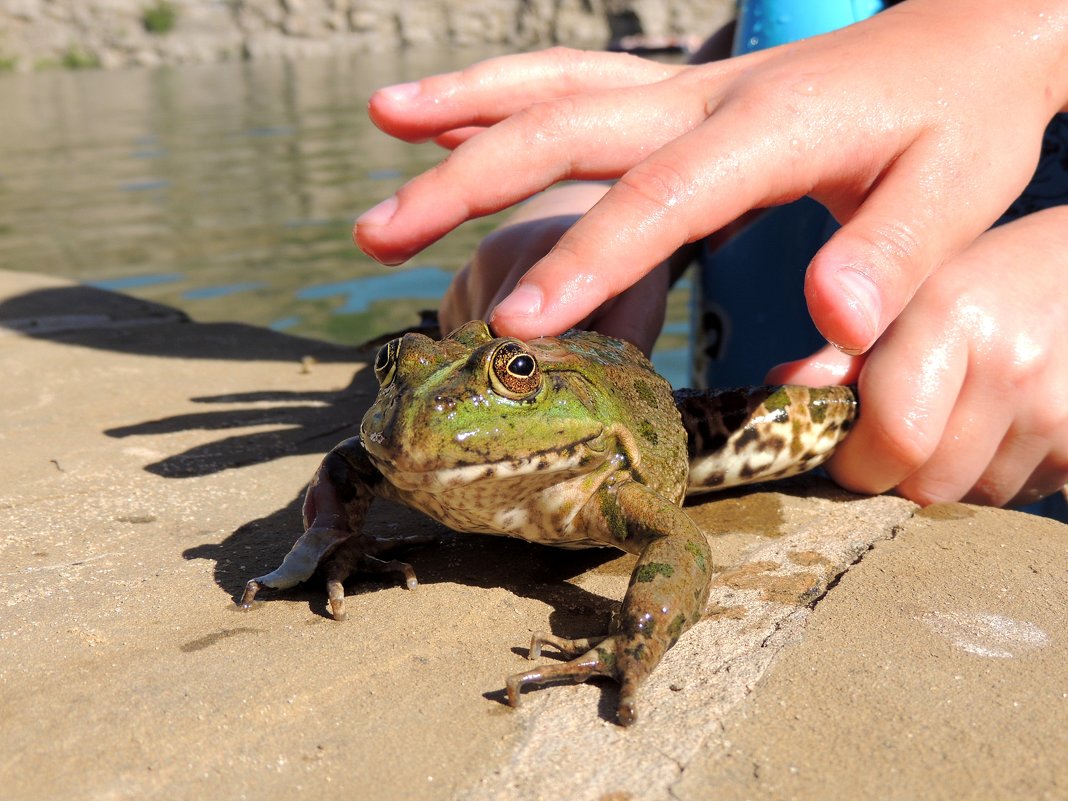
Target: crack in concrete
[894,532]
[565,749]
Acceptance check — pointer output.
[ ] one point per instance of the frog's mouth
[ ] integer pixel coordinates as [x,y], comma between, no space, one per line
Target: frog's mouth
[580,457]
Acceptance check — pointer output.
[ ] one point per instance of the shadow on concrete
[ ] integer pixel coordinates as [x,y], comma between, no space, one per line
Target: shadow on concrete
[302,422]
[309,422]
[467,559]
[524,569]
[95,318]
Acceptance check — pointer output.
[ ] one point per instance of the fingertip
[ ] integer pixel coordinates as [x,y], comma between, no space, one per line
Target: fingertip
[524,302]
[374,233]
[396,110]
[526,314]
[399,93]
[367,241]
[845,304]
[518,314]
[826,366]
[379,214]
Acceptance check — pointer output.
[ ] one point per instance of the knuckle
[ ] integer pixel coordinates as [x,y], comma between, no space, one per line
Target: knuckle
[566,60]
[656,186]
[907,442]
[897,243]
[547,121]
[1050,423]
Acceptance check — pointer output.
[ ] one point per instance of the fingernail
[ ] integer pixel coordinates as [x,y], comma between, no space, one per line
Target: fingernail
[401,92]
[865,304]
[525,301]
[380,214]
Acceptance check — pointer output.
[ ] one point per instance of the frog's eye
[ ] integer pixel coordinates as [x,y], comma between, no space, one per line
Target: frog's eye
[386,363]
[514,372]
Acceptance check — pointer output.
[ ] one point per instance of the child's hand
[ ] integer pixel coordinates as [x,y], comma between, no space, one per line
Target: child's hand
[966,395]
[916,128]
[501,259]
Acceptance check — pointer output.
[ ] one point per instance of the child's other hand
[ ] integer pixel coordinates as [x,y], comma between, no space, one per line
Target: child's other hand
[966,395]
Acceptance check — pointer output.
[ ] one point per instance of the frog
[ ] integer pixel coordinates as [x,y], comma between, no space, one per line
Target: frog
[573,441]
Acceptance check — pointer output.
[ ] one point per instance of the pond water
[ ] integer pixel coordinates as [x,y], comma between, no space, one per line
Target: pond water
[229,191]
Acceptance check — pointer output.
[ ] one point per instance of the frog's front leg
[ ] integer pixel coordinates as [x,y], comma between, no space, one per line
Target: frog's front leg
[667,594]
[335,506]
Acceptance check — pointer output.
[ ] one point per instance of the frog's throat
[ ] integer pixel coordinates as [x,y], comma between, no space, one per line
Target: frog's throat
[579,457]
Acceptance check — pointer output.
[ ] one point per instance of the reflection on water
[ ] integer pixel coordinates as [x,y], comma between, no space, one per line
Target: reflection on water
[225,190]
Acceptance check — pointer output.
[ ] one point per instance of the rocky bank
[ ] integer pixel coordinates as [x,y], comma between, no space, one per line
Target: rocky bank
[116,33]
[853,647]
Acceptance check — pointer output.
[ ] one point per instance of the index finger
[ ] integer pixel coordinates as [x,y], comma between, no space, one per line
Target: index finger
[690,187]
[595,136]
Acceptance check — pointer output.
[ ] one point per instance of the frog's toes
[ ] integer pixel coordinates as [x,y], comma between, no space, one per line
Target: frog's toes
[376,565]
[599,660]
[300,563]
[347,560]
[249,595]
[569,648]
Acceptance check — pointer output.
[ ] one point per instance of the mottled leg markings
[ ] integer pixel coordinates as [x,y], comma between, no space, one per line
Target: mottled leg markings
[743,436]
[667,593]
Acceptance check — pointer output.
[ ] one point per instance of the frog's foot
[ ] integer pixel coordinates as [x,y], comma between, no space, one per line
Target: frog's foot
[300,563]
[350,558]
[589,657]
[338,553]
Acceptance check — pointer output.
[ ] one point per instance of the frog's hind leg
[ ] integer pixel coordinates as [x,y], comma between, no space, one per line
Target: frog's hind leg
[666,596]
[742,436]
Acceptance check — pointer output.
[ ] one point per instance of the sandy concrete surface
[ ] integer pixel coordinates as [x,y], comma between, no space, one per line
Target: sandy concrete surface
[853,648]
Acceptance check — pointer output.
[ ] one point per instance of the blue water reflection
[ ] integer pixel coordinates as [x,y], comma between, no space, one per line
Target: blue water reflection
[136,281]
[204,293]
[428,283]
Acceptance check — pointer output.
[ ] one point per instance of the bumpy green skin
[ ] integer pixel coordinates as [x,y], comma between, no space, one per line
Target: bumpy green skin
[588,448]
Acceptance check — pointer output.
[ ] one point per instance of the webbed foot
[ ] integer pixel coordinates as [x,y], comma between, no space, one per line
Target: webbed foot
[348,560]
[589,657]
[338,554]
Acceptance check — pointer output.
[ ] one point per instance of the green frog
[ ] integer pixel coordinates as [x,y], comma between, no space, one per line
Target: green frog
[573,441]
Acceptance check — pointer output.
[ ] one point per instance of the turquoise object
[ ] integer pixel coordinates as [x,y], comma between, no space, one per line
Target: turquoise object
[766,23]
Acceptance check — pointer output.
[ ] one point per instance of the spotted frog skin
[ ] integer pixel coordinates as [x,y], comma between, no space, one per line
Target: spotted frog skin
[571,441]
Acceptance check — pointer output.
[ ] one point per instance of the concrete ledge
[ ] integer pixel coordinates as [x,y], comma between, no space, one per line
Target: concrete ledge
[152,464]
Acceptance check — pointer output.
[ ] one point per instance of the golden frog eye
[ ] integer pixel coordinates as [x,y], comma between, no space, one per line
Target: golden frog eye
[386,363]
[514,372]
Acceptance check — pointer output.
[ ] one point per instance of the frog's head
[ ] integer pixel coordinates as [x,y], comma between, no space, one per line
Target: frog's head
[471,405]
